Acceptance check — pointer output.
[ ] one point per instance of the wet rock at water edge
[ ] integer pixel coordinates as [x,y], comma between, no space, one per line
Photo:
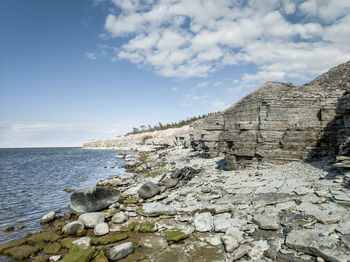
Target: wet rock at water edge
[48,217]
[93,199]
[148,190]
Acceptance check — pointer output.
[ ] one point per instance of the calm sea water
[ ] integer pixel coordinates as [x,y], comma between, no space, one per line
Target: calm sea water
[33,180]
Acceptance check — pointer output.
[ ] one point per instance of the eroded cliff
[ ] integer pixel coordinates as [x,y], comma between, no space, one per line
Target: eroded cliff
[277,123]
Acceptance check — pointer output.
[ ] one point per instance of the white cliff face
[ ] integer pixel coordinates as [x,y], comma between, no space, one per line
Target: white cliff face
[147,141]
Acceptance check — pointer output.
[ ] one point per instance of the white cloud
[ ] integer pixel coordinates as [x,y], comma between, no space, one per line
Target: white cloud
[90,55]
[181,38]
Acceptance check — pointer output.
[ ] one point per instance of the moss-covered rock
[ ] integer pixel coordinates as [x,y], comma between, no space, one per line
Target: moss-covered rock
[21,252]
[47,236]
[100,258]
[130,227]
[131,201]
[112,237]
[175,235]
[13,243]
[148,227]
[40,259]
[52,248]
[80,232]
[68,243]
[83,255]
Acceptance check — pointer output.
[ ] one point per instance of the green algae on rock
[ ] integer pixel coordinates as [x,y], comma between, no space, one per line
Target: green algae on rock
[175,235]
[52,248]
[47,236]
[111,238]
[147,227]
[68,243]
[14,243]
[21,252]
[83,255]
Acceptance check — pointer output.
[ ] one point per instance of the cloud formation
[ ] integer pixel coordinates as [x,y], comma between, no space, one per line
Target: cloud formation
[181,38]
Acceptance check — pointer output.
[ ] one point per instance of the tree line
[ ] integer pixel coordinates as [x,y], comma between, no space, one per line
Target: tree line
[160,126]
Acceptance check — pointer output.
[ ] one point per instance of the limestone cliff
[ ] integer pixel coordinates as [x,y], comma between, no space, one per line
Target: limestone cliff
[277,123]
[146,141]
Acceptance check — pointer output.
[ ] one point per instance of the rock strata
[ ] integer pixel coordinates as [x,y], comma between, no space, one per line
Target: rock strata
[280,122]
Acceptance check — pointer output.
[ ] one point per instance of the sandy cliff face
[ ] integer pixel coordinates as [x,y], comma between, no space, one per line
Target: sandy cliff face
[146,141]
[277,123]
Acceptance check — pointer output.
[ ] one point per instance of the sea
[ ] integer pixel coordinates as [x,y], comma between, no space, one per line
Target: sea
[33,182]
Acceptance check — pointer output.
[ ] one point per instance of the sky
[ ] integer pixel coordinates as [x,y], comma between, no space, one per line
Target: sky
[71,71]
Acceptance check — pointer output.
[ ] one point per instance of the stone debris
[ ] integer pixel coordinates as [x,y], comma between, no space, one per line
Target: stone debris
[48,217]
[120,251]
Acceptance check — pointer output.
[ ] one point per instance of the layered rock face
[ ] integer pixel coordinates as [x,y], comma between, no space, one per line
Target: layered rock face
[277,123]
[343,137]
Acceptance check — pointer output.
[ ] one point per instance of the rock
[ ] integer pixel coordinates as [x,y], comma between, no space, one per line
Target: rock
[152,241]
[72,227]
[82,255]
[234,231]
[293,219]
[265,221]
[55,258]
[120,251]
[170,182]
[119,218]
[69,190]
[148,190]
[8,229]
[82,243]
[310,242]
[48,217]
[258,249]
[120,156]
[222,224]
[93,199]
[156,209]
[111,238]
[90,220]
[230,242]
[344,227]
[21,226]
[52,248]
[186,173]
[101,229]
[203,222]
[240,252]
[21,252]
[175,235]
[46,236]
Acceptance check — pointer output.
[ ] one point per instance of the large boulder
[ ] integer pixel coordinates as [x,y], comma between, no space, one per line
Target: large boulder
[148,190]
[93,199]
[278,123]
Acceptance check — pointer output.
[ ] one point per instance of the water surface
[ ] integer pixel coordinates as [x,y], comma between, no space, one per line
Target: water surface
[33,180]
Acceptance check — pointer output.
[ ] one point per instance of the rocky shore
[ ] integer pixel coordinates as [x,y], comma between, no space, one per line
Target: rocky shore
[177,205]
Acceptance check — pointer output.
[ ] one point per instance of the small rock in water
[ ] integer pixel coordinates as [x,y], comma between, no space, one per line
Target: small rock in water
[90,220]
[101,229]
[48,217]
[69,190]
[8,229]
[120,156]
[20,226]
[120,251]
[148,190]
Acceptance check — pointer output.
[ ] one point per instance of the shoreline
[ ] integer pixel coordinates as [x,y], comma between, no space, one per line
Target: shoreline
[204,213]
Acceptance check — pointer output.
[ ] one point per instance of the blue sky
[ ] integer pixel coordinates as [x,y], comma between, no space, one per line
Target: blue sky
[88,69]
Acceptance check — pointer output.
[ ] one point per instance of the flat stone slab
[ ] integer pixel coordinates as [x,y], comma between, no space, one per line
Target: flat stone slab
[310,242]
[157,209]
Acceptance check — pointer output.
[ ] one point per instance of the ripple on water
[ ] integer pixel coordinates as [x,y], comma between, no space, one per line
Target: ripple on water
[33,180]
